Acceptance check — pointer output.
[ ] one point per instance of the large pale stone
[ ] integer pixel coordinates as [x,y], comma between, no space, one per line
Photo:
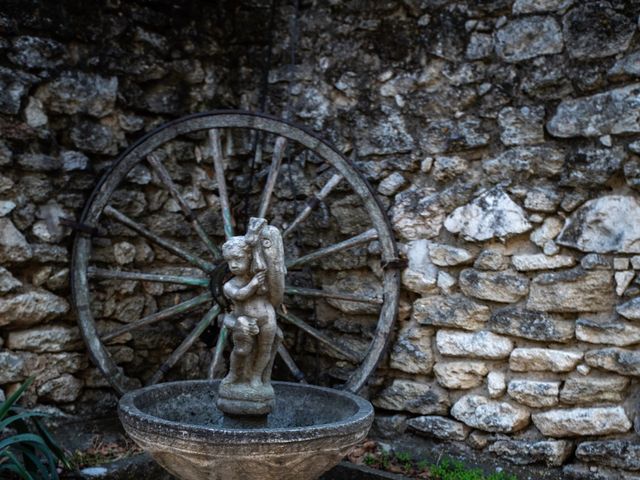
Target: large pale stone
[529,37]
[415,397]
[8,282]
[49,338]
[612,453]
[417,213]
[630,309]
[543,360]
[613,332]
[12,367]
[421,275]
[14,247]
[522,452]
[604,225]
[490,415]
[573,290]
[476,345]
[412,351]
[460,375]
[534,393]
[505,286]
[530,324]
[492,214]
[533,6]
[450,311]
[612,112]
[448,256]
[625,362]
[30,308]
[582,390]
[496,384]
[540,261]
[64,389]
[439,427]
[576,422]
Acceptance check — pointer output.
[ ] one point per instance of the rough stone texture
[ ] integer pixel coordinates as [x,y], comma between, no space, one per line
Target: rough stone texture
[615,453]
[540,261]
[12,367]
[63,389]
[475,345]
[414,397]
[504,287]
[609,332]
[630,309]
[543,359]
[77,92]
[549,452]
[582,421]
[534,393]
[54,338]
[583,390]
[14,247]
[521,126]
[492,214]
[625,362]
[448,256]
[489,415]
[595,30]
[412,351]
[496,384]
[604,225]
[8,283]
[450,311]
[528,38]
[31,308]
[460,375]
[439,427]
[573,290]
[421,274]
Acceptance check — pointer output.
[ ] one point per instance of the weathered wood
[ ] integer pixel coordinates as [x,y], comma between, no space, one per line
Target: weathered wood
[216,361]
[168,182]
[311,204]
[291,364]
[310,292]
[177,354]
[147,277]
[179,309]
[364,237]
[334,345]
[166,244]
[274,170]
[218,166]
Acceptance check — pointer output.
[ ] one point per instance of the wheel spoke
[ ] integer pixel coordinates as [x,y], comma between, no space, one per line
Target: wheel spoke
[185,345]
[274,170]
[313,202]
[100,273]
[310,292]
[158,316]
[166,179]
[216,361]
[334,345]
[364,237]
[167,245]
[291,364]
[218,166]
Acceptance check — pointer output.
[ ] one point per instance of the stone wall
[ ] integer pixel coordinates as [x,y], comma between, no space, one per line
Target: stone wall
[502,135]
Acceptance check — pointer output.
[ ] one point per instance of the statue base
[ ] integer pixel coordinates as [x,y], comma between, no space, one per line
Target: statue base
[244,399]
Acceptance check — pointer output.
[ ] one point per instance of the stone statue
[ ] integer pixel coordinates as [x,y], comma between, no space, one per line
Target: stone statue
[257,288]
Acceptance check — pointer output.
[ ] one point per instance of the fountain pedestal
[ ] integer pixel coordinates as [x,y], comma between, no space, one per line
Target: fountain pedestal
[308,432]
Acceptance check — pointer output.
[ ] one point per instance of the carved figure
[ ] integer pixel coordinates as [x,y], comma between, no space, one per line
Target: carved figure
[257,262]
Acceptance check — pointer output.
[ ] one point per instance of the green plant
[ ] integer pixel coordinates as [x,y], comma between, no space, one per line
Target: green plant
[448,469]
[405,460]
[370,460]
[27,448]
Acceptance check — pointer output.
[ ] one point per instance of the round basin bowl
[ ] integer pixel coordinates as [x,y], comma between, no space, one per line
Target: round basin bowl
[309,431]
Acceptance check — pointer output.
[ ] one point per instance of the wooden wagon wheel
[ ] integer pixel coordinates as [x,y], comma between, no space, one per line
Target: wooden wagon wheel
[106,217]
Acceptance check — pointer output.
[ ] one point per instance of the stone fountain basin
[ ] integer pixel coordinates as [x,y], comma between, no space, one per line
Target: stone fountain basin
[310,430]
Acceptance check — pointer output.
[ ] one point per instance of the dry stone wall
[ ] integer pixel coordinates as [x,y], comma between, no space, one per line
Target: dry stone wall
[503,137]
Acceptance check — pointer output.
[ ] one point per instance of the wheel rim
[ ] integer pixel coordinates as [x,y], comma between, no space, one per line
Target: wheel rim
[214,121]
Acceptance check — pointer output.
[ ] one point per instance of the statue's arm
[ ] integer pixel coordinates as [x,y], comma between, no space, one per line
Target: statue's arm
[236,293]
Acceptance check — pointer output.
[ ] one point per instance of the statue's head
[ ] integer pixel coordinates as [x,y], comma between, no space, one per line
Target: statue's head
[237,252]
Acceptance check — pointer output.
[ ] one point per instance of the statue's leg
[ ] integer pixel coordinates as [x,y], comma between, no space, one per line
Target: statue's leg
[266,339]
[266,375]
[237,359]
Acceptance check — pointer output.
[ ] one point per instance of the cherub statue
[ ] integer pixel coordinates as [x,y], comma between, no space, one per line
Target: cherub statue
[257,262]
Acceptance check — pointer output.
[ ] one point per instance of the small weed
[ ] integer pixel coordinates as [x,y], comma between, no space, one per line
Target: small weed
[369,460]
